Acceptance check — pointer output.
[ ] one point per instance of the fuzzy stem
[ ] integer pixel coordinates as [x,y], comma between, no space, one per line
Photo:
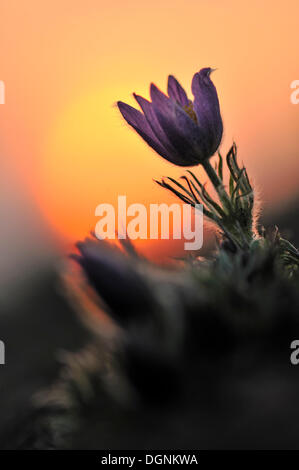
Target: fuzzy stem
[217,183]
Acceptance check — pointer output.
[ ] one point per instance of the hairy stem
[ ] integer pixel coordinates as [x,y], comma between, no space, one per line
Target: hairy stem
[217,183]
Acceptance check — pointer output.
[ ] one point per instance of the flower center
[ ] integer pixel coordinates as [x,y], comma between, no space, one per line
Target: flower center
[190,111]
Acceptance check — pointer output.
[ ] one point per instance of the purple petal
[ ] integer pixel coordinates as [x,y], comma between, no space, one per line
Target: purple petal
[181,130]
[133,117]
[173,113]
[195,135]
[161,101]
[138,121]
[152,119]
[115,279]
[176,91]
[206,106]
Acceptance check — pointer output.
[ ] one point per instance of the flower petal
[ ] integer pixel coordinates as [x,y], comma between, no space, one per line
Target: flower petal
[206,106]
[138,121]
[195,135]
[160,100]
[184,134]
[114,278]
[176,91]
[152,119]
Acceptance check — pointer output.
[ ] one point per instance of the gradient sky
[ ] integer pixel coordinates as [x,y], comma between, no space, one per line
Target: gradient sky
[66,62]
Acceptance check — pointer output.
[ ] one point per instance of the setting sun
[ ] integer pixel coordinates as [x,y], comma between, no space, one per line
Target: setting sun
[69,143]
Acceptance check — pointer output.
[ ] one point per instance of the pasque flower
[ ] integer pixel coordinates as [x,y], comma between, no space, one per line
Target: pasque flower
[116,279]
[182,131]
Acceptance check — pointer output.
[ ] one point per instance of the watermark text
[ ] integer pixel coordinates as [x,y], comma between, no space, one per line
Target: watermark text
[295,93]
[134,222]
[2,92]
[2,353]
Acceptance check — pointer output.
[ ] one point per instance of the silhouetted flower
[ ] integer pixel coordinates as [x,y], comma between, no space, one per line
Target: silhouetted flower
[116,279]
[183,132]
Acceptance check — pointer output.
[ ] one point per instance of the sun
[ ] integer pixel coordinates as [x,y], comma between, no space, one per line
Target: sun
[90,157]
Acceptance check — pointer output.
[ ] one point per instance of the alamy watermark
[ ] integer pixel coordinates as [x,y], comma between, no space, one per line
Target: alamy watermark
[294,357]
[2,353]
[2,92]
[146,226]
[295,94]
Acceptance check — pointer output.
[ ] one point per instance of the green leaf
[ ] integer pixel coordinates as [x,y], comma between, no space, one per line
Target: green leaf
[220,166]
[231,184]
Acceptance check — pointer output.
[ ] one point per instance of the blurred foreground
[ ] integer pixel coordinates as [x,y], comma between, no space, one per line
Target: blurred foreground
[217,393]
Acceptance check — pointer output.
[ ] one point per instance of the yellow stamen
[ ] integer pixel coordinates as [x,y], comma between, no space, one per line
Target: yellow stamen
[190,111]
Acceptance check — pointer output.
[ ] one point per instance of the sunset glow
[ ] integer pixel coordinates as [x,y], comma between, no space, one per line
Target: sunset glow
[63,134]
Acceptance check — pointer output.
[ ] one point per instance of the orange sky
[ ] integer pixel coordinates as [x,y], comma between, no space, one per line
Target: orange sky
[65,63]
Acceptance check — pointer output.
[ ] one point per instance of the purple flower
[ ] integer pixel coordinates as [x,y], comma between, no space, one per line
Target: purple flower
[115,277]
[182,131]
